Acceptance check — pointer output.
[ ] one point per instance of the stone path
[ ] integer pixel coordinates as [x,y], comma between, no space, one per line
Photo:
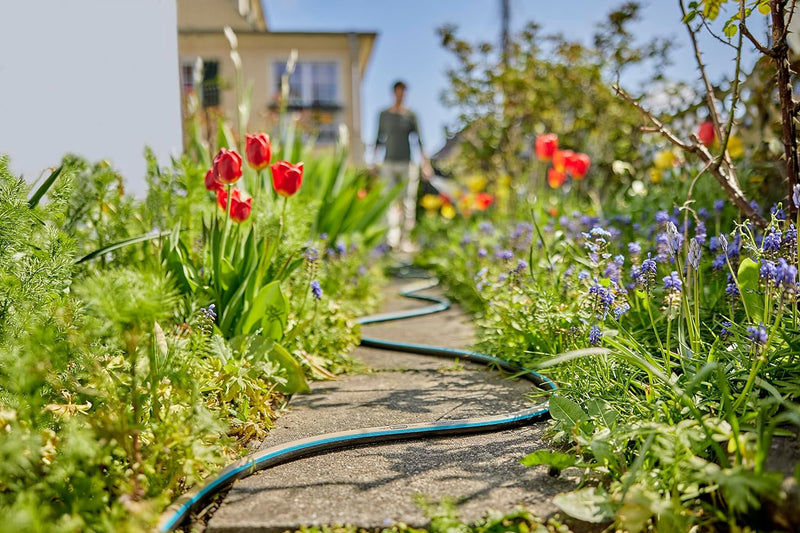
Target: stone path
[377,486]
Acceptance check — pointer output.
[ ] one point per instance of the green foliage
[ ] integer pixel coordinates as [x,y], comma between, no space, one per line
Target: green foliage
[546,83]
[342,211]
[681,398]
[117,392]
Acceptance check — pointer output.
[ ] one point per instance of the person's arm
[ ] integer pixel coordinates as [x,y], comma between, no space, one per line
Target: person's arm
[427,170]
[380,137]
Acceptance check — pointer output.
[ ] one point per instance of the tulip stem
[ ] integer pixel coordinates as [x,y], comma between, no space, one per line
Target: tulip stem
[280,221]
[228,202]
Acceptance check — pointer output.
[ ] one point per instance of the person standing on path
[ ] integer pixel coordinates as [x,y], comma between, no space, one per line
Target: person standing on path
[395,126]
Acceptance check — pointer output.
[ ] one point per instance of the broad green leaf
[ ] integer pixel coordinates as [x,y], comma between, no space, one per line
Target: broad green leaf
[602,412]
[268,310]
[566,410]
[295,376]
[584,504]
[557,460]
[748,277]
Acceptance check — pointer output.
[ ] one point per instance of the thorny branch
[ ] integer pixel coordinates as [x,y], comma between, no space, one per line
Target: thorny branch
[725,176]
[712,101]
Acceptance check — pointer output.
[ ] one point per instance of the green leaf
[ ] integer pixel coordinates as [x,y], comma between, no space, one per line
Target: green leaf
[601,411]
[557,460]
[764,8]
[566,410]
[584,504]
[43,188]
[748,277]
[225,138]
[730,29]
[269,310]
[295,377]
[121,244]
[711,8]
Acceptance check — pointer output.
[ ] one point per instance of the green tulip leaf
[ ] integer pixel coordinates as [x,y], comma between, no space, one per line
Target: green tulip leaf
[748,277]
[295,376]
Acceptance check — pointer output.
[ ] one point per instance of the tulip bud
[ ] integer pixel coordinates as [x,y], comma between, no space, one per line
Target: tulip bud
[287,178]
[483,200]
[258,150]
[577,165]
[211,181]
[228,166]
[555,178]
[705,132]
[240,209]
[546,145]
[560,158]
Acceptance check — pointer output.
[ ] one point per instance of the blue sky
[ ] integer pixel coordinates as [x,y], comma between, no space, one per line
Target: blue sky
[408,47]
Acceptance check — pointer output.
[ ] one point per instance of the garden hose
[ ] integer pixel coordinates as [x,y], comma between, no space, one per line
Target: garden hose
[194,500]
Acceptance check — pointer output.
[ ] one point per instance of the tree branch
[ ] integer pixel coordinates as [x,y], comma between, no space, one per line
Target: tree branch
[712,101]
[659,126]
[746,32]
[726,177]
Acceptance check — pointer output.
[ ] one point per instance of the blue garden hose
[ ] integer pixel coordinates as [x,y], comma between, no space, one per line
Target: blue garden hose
[194,500]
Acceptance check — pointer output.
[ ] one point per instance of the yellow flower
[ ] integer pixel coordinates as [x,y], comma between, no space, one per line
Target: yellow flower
[664,159]
[476,183]
[655,175]
[431,202]
[735,147]
[448,211]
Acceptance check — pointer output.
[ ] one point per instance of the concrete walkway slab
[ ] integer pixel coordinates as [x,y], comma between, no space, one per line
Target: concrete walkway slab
[376,486]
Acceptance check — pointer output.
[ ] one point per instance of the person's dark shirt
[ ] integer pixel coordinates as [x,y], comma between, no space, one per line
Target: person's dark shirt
[393,132]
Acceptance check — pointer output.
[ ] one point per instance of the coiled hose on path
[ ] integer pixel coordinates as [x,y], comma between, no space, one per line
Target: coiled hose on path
[194,500]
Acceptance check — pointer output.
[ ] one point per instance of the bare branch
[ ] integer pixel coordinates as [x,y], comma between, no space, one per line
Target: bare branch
[788,21]
[659,126]
[744,31]
[712,101]
[734,99]
[725,176]
[714,35]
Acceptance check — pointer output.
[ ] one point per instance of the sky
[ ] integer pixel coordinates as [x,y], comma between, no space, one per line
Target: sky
[408,48]
[64,93]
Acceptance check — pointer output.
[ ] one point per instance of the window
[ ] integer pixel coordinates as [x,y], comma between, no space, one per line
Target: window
[311,84]
[209,76]
[314,87]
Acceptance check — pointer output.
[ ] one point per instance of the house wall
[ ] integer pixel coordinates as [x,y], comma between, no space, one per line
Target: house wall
[210,14]
[259,51]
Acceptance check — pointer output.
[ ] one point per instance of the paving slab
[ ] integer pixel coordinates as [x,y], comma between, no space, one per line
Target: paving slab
[377,486]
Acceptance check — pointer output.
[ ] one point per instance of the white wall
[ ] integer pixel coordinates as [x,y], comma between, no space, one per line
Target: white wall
[98,78]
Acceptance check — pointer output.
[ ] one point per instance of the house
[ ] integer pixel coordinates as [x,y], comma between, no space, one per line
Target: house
[325,87]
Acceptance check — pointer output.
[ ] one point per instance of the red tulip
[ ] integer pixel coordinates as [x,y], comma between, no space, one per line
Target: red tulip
[555,178]
[258,150]
[560,158]
[578,165]
[212,181]
[240,209]
[286,177]
[483,201]
[546,146]
[228,166]
[705,132]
